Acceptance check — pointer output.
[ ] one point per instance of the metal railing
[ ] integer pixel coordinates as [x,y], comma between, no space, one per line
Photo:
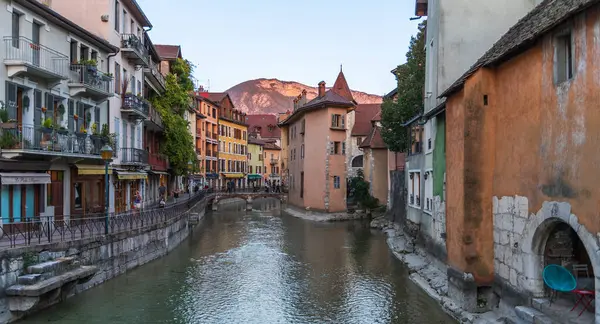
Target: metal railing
[130,155]
[133,102]
[274,161]
[91,77]
[35,138]
[154,70]
[51,229]
[133,42]
[412,199]
[154,116]
[158,161]
[24,50]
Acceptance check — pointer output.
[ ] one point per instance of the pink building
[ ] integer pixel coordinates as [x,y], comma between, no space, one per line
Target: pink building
[316,148]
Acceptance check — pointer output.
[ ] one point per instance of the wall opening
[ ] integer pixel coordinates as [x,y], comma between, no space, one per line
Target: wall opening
[357,162]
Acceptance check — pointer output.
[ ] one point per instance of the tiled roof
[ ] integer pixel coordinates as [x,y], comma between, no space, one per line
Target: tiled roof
[216,96]
[256,141]
[391,94]
[330,98]
[271,146]
[377,117]
[362,118]
[168,52]
[263,121]
[543,18]
[341,87]
[374,140]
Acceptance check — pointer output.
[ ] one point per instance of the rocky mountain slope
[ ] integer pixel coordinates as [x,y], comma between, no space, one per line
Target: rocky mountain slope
[271,96]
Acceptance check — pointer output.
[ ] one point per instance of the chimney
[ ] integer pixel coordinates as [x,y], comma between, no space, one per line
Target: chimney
[303,99]
[295,103]
[321,89]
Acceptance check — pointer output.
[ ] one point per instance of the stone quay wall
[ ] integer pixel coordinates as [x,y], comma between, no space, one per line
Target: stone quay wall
[113,254]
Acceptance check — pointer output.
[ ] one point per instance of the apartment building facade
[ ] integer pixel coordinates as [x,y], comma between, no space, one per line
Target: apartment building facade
[210,144]
[256,162]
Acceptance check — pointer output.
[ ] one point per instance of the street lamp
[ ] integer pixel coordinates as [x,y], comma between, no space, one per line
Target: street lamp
[106,153]
[190,168]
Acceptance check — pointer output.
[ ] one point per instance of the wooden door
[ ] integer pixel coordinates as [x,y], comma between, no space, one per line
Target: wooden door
[56,193]
[301,184]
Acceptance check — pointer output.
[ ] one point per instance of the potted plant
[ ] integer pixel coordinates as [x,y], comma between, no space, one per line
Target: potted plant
[91,65]
[62,130]
[95,134]
[26,102]
[47,126]
[44,109]
[88,117]
[61,110]
[82,132]
[76,117]
[6,123]
[107,76]
[8,140]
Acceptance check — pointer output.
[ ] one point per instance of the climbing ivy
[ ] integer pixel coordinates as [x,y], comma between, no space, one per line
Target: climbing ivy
[179,144]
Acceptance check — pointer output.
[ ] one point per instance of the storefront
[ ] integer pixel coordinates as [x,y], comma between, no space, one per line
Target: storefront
[212,179]
[155,179]
[236,177]
[126,185]
[254,180]
[22,196]
[88,189]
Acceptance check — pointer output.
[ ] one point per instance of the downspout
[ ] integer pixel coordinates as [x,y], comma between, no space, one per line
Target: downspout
[108,101]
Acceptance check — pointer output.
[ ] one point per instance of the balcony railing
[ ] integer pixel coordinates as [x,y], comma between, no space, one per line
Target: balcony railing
[38,59]
[412,199]
[87,78]
[274,161]
[133,48]
[130,155]
[154,75]
[158,162]
[135,105]
[154,117]
[49,140]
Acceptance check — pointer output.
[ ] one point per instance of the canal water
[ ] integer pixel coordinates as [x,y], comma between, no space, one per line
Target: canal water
[260,267]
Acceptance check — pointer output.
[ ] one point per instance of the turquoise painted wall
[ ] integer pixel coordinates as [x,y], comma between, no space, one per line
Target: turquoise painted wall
[4,204]
[439,156]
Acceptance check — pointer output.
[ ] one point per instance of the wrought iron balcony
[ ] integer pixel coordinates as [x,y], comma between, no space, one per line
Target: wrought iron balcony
[87,81]
[154,121]
[28,139]
[135,107]
[158,162]
[134,156]
[133,49]
[24,57]
[155,77]
[412,199]
[274,161]
[418,201]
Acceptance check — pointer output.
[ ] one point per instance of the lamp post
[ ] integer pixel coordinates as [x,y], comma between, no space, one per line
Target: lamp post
[106,153]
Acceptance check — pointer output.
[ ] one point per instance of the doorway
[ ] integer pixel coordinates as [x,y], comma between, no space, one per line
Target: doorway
[301,184]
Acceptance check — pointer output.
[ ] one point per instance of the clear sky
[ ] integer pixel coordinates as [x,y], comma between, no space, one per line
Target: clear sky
[231,41]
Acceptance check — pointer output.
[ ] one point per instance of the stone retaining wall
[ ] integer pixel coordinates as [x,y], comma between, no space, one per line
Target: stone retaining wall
[112,254]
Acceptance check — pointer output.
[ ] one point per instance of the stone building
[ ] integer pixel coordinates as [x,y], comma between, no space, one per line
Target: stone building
[359,124]
[316,147]
[522,159]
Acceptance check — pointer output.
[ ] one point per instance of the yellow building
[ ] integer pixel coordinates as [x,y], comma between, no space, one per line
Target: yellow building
[284,148]
[233,142]
[272,169]
[256,163]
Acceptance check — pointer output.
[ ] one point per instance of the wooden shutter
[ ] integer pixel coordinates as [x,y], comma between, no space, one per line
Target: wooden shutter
[70,112]
[11,100]
[37,107]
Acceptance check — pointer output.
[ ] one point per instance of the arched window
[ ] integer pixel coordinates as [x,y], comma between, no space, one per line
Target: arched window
[357,162]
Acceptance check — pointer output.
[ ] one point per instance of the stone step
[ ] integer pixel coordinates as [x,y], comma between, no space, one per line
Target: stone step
[41,287]
[54,267]
[529,315]
[29,279]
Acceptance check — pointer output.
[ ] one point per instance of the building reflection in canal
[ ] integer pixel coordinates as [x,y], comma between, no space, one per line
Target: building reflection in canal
[261,266]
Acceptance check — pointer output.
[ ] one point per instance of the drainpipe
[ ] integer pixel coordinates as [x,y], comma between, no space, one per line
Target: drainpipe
[108,101]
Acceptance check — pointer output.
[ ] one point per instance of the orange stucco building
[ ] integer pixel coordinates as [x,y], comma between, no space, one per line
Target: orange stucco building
[315,144]
[522,156]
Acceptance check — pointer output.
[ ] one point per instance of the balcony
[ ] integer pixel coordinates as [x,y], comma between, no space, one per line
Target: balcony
[154,121]
[156,78]
[133,49]
[274,161]
[87,81]
[26,58]
[17,139]
[212,138]
[158,162]
[134,156]
[135,107]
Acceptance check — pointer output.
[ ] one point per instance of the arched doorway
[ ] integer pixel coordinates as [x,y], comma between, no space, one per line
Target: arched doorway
[357,162]
[555,236]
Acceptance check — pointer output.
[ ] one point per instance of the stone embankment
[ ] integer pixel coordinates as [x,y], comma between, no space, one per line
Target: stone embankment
[428,273]
[37,276]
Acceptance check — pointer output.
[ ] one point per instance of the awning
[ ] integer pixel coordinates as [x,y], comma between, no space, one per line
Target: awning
[15,178]
[233,175]
[212,176]
[254,176]
[158,172]
[131,175]
[91,169]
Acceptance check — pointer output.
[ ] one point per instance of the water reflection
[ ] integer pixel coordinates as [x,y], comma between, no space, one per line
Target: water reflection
[261,267]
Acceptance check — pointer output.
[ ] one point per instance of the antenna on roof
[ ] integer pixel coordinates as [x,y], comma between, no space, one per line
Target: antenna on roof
[340,68]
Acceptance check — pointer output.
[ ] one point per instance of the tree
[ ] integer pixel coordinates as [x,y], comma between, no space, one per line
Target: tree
[411,83]
[179,144]
[359,189]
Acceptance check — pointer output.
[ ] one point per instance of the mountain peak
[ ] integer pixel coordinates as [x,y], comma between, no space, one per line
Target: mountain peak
[272,96]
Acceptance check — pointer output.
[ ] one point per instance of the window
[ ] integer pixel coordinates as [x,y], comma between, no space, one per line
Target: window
[94,56]
[15,29]
[117,78]
[428,179]
[336,182]
[131,27]
[357,162]
[343,148]
[359,140]
[123,21]
[117,12]
[302,151]
[564,58]
[84,52]
[338,121]
[428,135]
[414,189]
[73,52]
[335,148]
[417,139]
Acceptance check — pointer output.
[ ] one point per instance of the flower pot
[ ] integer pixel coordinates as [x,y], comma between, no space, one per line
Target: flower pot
[46,130]
[11,125]
[81,134]
[63,131]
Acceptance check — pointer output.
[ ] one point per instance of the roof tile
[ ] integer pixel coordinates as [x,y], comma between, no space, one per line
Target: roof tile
[362,118]
[261,124]
[168,52]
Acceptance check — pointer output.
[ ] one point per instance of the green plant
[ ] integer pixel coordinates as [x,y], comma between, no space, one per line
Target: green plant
[411,82]
[61,109]
[88,62]
[88,117]
[8,140]
[3,115]
[94,128]
[47,123]
[359,189]
[29,259]
[105,131]
[26,102]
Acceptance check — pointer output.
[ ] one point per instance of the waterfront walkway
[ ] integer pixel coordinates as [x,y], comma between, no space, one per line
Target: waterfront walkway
[50,229]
